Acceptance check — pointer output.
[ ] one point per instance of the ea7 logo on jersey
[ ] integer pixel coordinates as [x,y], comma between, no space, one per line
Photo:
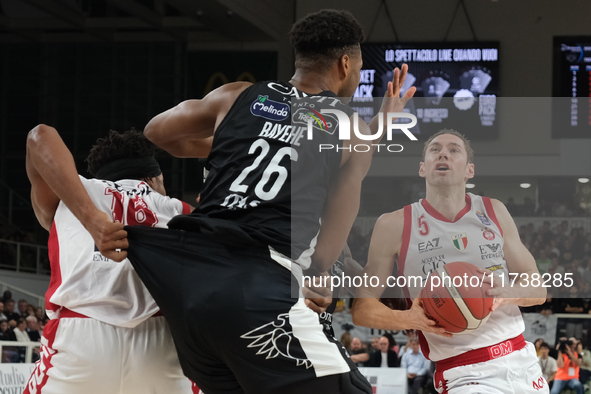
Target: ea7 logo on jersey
[429,246]
[269,109]
[490,251]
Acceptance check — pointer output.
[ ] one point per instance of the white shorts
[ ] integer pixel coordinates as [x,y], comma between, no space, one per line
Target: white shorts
[516,372]
[86,356]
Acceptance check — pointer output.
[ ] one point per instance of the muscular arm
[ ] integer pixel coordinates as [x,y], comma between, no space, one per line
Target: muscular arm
[52,172]
[519,260]
[341,210]
[187,129]
[368,311]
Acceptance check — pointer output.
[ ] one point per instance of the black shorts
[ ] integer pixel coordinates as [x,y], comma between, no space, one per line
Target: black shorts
[235,325]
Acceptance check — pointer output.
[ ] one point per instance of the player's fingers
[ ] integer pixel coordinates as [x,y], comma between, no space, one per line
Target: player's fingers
[409,94]
[122,244]
[119,234]
[403,71]
[318,305]
[396,79]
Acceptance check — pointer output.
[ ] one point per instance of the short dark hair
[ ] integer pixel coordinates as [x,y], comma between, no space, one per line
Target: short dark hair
[469,150]
[544,344]
[321,38]
[131,144]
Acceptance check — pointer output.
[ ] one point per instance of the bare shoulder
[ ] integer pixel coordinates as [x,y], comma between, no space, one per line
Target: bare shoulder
[390,225]
[500,210]
[228,91]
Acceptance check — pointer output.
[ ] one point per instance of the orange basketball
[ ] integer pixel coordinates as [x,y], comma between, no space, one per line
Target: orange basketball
[456,298]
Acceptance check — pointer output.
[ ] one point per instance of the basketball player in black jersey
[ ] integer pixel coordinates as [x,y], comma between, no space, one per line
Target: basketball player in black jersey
[224,275]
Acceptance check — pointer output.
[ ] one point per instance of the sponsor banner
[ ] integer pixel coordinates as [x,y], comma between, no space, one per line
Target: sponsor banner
[540,326]
[386,380]
[14,377]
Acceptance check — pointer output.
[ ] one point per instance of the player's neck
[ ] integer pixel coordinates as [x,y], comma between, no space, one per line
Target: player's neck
[448,202]
[312,82]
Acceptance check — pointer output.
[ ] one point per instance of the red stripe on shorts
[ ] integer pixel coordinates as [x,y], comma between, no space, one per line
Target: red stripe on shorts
[39,377]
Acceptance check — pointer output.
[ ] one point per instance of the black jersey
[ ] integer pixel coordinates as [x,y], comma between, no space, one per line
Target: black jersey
[265,175]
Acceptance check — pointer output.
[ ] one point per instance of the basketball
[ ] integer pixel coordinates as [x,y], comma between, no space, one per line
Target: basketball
[456,298]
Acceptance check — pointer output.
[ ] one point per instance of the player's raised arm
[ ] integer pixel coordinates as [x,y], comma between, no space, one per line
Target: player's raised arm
[187,129]
[342,208]
[392,102]
[519,261]
[52,172]
[367,309]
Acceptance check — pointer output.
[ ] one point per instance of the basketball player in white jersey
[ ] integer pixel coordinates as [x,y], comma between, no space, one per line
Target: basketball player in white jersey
[105,335]
[495,358]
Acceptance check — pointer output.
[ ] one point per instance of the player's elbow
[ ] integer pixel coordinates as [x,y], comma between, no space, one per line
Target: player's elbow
[38,134]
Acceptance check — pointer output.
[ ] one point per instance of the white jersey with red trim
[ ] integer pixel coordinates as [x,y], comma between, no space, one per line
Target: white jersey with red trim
[475,236]
[85,281]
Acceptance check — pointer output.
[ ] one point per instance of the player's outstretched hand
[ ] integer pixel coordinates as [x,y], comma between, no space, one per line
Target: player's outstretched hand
[317,298]
[419,321]
[110,238]
[392,100]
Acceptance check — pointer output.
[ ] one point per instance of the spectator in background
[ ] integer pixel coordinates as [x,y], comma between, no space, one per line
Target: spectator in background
[375,345]
[358,354]
[33,328]
[538,342]
[385,358]
[547,363]
[543,262]
[30,311]
[22,307]
[7,295]
[9,311]
[416,366]
[2,315]
[585,355]
[393,345]
[20,331]
[346,340]
[568,363]
[40,313]
[6,334]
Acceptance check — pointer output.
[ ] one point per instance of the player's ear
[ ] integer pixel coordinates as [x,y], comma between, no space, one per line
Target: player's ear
[470,170]
[421,169]
[344,65]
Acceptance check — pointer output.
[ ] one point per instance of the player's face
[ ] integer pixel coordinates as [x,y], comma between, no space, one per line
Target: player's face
[446,162]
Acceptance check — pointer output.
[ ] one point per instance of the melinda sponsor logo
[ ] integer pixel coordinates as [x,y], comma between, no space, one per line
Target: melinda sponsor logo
[269,109]
[344,130]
